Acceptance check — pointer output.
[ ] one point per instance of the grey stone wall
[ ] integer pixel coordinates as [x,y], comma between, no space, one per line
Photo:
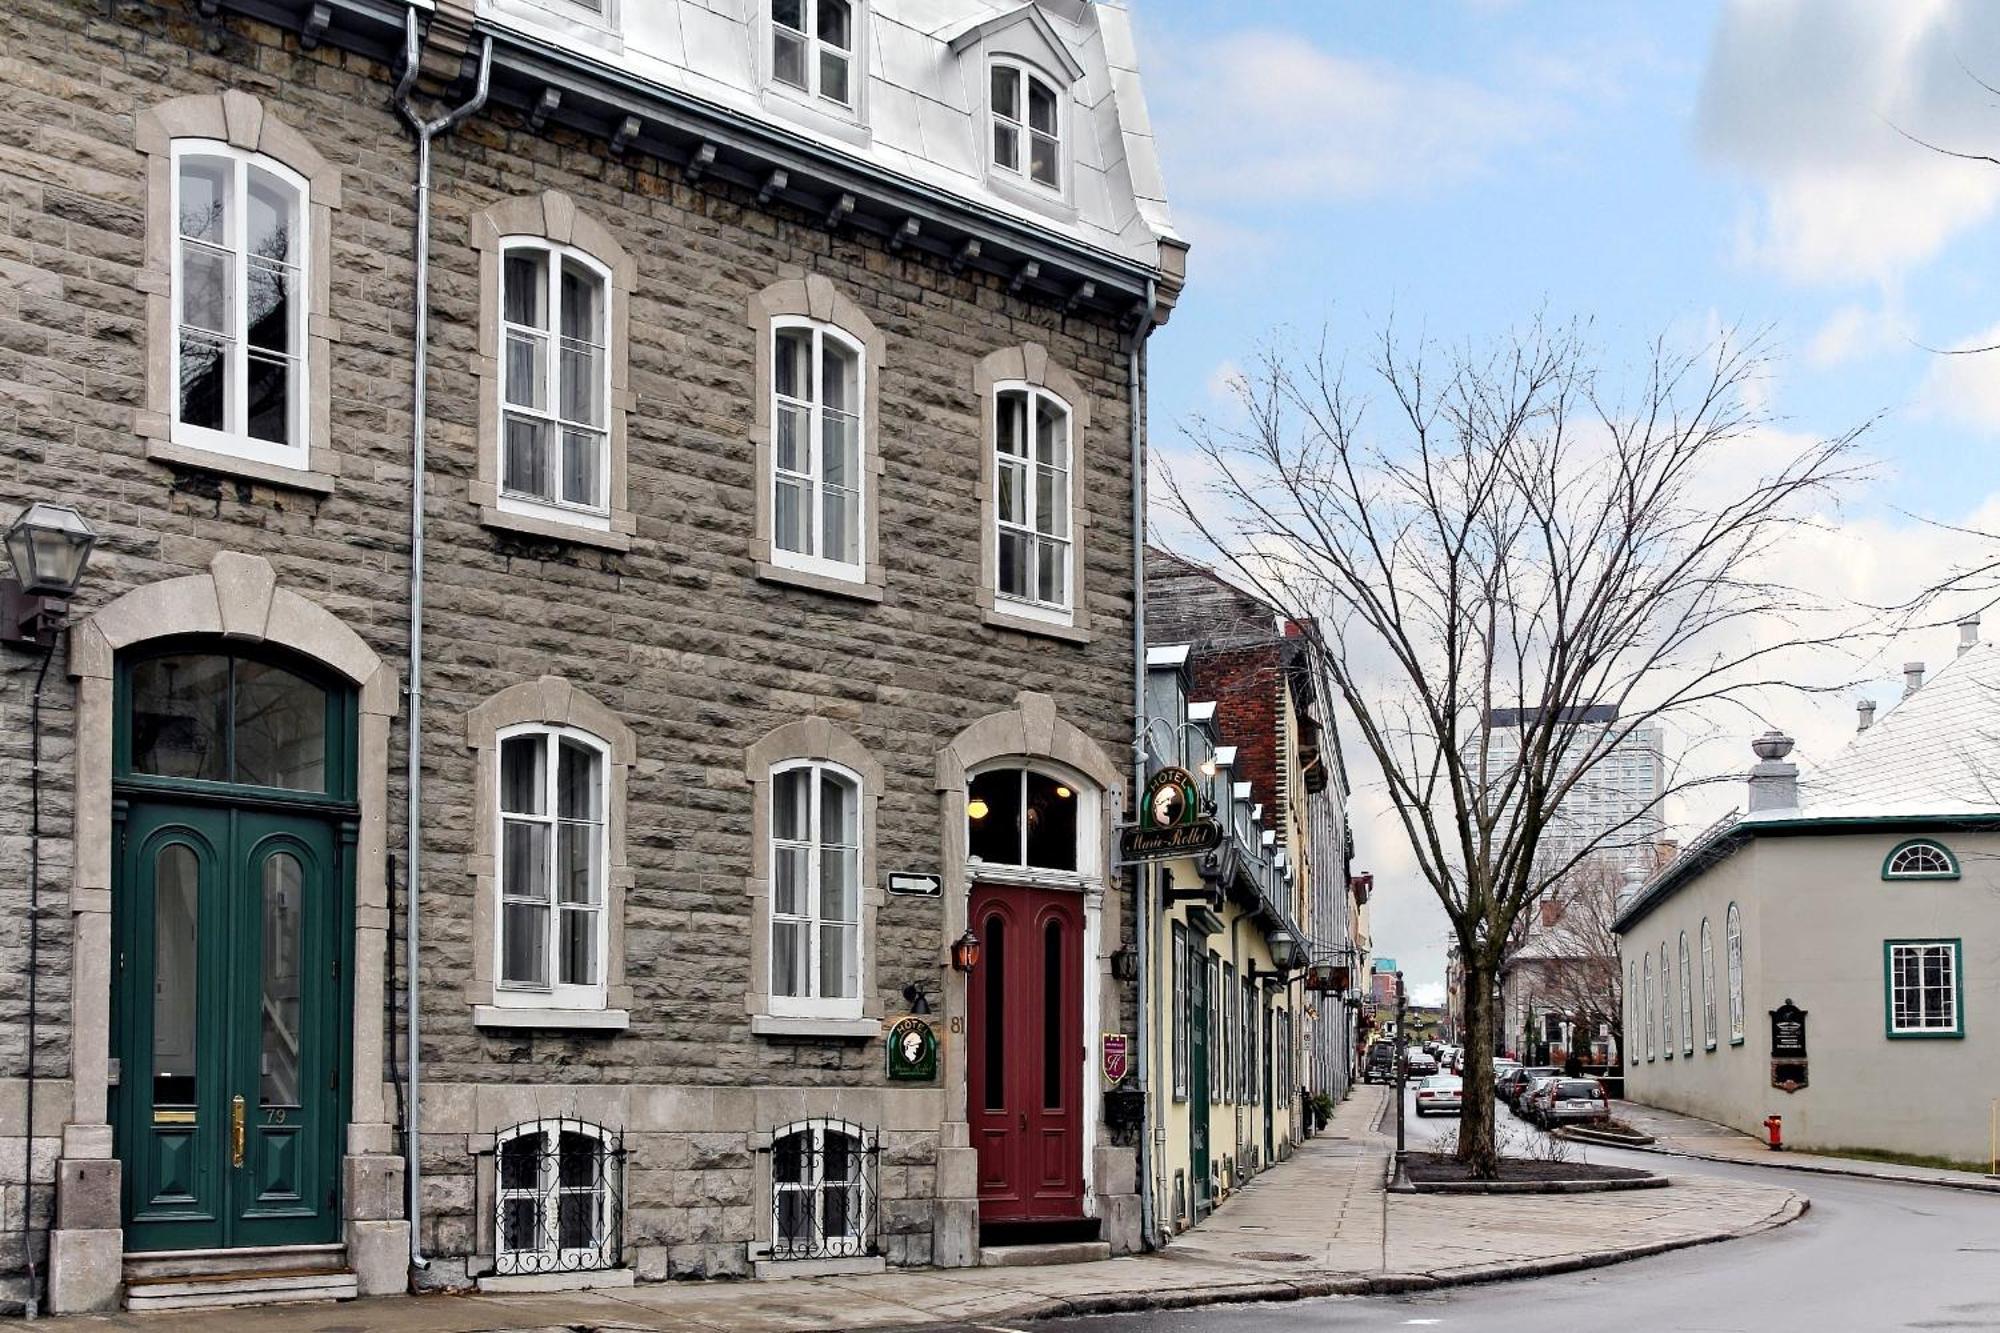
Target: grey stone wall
[676,635]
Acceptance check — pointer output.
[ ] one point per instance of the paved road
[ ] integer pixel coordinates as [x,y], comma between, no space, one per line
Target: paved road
[1869,1256]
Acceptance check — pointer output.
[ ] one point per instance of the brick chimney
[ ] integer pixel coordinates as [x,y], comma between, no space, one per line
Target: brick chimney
[1774,784]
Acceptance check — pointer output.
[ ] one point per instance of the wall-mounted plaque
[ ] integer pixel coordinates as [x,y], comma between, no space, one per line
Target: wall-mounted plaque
[1788,1047]
[913,1051]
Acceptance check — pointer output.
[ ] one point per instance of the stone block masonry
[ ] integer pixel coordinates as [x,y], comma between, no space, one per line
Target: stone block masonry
[676,635]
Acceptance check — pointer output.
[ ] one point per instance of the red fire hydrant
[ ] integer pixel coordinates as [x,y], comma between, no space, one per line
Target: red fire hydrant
[1774,1132]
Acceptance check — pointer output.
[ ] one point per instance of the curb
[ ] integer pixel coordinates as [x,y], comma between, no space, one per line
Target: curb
[1772,1164]
[1498,1187]
[1396,1284]
[1581,1134]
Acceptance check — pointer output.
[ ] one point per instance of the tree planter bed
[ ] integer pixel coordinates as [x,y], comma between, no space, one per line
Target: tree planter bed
[1604,1136]
[1428,1173]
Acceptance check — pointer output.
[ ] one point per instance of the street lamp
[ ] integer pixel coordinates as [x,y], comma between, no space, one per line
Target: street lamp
[48,545]
[965,952]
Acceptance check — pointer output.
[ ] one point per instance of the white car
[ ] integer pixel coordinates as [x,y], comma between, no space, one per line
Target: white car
[1440,1093]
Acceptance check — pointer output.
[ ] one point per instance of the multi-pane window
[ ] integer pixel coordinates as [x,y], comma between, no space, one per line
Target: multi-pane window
[818,486]
[556,1198]
[1032,476]
[1920,860]
[1649,1006]
[1217,1053]
[552,855]
[556,380]
[812,47]
[1632,1013]
[1923,988]
[815,890]
[1733,943]
[822,1191]
[239,302]
[1027,125]
[1707,986]
[1232,1036]
[1666,1005]
[1023,817]
[1178,958]
[1687,998]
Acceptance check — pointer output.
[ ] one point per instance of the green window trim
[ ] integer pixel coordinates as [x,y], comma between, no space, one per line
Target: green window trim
[1908,843]
[1957,1030]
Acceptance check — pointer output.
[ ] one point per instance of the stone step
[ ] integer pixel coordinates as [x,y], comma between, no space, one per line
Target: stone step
[1064,1252]
[144,1265]
[220,1290]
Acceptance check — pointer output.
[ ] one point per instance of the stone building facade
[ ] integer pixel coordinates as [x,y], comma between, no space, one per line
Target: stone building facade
[679,727]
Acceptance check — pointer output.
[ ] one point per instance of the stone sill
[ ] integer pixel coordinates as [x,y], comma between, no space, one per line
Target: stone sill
[768,1270]
[799,578]
[581,1020]
[1048,629]
[844,1029]
[593,1280]
[271,474]
[576,534]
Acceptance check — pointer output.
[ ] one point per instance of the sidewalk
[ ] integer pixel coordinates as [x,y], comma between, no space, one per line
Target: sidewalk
[1686,1136]
[1318,1225]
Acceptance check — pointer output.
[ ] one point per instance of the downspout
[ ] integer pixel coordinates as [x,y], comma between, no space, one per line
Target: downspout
[425,130]
[1134,387]
[31,1300]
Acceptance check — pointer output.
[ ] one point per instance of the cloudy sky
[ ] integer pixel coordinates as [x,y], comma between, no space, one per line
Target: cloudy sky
[1461,164]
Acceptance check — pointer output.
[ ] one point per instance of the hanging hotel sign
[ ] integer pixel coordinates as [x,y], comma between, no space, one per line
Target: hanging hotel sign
[1117,1057]
[1788,1047]
[1171,822]
[913,1051]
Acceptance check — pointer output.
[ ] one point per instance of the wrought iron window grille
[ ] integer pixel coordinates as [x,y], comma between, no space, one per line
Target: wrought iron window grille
[559,1197]
[824,1190]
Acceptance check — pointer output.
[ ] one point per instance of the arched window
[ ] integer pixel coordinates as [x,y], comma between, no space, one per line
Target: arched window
[1649,1006]
[1707,986]
[818,482]
[240,285]
[553,852]
[556,1197]
[1733,943]
[1032,504]
[1027,125]
[1666,1004]
[1632,1014]
[822,1191]
[815,890]
[222,717]
[812,48]
[1920,858]
[555,312]
[1025,817]
[1687,998]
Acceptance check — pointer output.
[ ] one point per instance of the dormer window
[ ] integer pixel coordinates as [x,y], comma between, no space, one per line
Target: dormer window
[812,48]
[1027,125]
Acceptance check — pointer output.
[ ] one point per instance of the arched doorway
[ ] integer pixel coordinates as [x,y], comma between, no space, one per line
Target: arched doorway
[235,820]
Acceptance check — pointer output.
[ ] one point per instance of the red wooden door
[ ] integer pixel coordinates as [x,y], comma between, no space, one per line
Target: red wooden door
[1025,1054]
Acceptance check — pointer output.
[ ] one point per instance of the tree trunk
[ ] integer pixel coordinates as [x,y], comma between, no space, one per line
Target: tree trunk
[1476,1117]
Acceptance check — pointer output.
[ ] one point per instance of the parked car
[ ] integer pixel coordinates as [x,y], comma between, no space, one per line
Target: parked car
[1381,1066]
[1574,1101]
[1440,1093]
[1420,1064]
[1509,1086]
[1532,1101]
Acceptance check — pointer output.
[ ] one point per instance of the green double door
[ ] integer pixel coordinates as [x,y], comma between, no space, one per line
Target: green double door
[229,988]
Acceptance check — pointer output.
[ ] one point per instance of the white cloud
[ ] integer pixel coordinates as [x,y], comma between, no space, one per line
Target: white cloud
[1225,382]
[1966,389]
[1813,99]
[1856,331]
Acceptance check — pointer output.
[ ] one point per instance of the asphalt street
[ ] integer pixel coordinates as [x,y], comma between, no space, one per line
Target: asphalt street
[1868,1256]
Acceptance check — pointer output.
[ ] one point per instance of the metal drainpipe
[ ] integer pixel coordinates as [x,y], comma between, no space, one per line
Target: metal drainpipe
[31,1302]
[425,131]
[1134,353]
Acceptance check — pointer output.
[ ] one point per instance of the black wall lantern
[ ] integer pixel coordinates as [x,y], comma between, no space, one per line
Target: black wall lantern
[48,546]
[1125,964]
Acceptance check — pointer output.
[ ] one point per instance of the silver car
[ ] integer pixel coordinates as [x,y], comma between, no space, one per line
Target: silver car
[1573,1100]
[1441,1093]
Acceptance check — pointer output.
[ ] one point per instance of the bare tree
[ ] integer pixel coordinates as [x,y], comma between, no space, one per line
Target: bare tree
[1512,537]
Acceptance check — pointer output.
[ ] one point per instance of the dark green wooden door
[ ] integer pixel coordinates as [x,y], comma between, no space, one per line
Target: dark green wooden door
[1198,1000]
[230,1006]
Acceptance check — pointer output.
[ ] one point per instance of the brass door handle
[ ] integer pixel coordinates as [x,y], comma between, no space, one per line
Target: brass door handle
[236,1130]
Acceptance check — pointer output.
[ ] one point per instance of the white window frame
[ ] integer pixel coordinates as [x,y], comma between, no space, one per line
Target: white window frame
[1707,986]
[1666,1004]
[1955,1027]
[240,443]
[813,1004]
[1914,846]
[556,994]
[861,1189]
[598,515]
[1031,607]
[813,47]
[1086,796]
[1687,996]
[1178,996]
[815,408]
[1733,945]
[1022,170]
[549,1191]
[1647,965]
